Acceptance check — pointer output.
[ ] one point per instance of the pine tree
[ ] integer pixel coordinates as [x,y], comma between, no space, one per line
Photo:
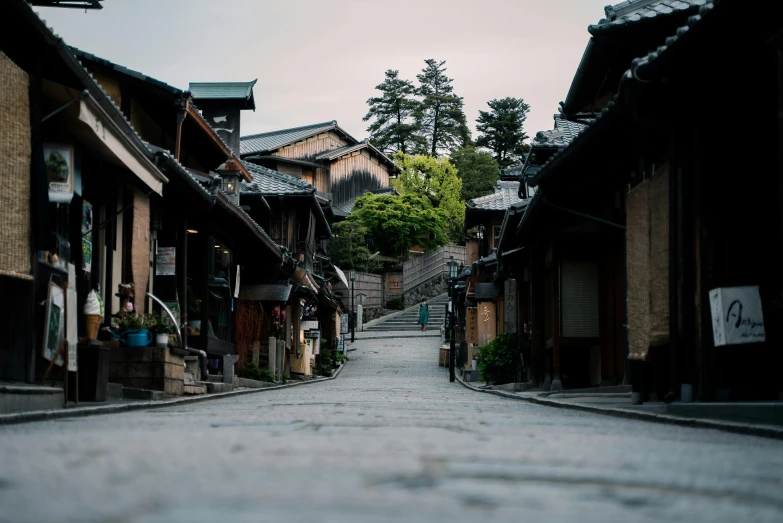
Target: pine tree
[394,127]
[442,119]
[502,129]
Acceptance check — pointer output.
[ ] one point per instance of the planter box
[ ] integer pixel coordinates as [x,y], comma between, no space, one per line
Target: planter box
[151,368]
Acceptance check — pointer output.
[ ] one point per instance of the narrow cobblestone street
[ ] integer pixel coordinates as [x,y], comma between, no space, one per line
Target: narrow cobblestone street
[389,440]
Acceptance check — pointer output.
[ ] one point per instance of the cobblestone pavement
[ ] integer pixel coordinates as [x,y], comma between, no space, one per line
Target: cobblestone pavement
[389,440]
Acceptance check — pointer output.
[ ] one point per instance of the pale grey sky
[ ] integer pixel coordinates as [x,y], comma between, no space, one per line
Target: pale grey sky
[319,60]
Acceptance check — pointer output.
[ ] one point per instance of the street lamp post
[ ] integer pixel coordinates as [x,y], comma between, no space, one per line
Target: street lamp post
[453,305]
[353,312]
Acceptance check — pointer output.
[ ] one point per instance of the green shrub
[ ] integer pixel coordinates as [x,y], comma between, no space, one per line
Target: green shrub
[253,372]
[395,304]
[498,359]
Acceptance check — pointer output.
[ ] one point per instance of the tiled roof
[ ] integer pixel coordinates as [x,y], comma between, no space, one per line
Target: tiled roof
[633,11]
[264,142]
[562,134]
[122,69]
[639,64]
[335,153]
[506,194]
[636,72]
[269,182]
[222,90]
[514,170]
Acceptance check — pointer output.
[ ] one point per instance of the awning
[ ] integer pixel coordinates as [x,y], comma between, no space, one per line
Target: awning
[100,131]
[341,274]
[267,292]
[302,278]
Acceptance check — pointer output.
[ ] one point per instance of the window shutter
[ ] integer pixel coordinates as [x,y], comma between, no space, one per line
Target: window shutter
[579,300]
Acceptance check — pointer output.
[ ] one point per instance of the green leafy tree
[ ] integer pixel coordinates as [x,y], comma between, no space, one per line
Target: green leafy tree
[502,129]
[478,171]
[348,246]
[436,180]
[397,223]
[441,116]
[394,126]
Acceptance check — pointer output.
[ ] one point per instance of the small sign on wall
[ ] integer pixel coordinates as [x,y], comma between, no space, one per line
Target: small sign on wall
[510,310]
[166,262]
[736,315]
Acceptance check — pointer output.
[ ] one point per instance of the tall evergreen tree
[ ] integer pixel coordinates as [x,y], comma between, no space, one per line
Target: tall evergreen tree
[442,119]
[394,127]
[502,129]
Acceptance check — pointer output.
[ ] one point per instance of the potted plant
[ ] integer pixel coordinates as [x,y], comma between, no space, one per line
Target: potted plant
[161,328]
[474,361]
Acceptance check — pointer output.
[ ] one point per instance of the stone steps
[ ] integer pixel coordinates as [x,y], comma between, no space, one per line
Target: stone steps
[194,390]
[23,398]
[407,319]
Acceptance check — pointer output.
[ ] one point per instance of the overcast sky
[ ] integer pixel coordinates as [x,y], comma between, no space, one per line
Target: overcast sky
[319,60]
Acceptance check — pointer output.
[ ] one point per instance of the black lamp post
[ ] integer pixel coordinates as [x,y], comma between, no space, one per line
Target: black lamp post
[353,312]
[453,267]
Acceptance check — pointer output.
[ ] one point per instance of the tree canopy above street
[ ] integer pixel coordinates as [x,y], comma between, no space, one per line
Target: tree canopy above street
[478,171]
[397,223]
[436,180]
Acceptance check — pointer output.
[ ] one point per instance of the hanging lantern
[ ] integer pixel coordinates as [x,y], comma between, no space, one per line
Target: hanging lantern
[276,311]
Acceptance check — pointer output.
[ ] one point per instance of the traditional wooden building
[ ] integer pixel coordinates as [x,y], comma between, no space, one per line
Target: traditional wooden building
[484,296]
[297,222]
[215,244]
[340,167]
[651,188]
[75,204]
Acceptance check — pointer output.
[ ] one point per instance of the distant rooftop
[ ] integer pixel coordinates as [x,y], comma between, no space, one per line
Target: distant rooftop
[564,131]
[270,182]
[273,140]
[506,193]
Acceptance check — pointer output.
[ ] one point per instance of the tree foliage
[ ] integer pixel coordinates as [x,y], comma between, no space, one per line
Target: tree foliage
[395,126]
[436,180]
[441,117]
[397,223]
[348,246]
[478,171]
[502,129]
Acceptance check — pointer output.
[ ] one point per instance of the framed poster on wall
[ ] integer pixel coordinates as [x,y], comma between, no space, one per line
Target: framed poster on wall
[59,160]
[54,323]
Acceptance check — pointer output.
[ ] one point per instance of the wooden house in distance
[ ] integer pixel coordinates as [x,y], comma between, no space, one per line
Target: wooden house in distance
[340,167]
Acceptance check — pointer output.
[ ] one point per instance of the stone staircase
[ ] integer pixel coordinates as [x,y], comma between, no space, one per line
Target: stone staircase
[406,320]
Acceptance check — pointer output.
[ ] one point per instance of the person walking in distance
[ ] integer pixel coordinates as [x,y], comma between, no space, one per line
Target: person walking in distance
[424,314]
